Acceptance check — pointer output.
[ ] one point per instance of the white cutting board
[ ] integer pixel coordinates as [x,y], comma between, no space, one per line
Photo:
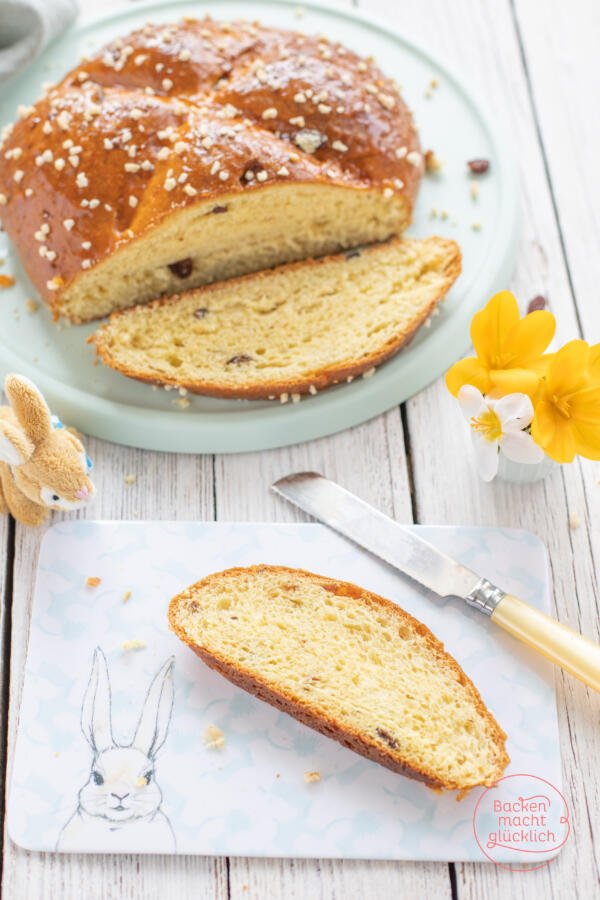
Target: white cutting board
[250,797]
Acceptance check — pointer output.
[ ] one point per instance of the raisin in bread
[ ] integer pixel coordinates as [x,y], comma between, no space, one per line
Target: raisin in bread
[291,330]
[192,152]
[348,663]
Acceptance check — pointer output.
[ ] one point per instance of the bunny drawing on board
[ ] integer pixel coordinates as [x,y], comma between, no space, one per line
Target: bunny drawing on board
[119,806]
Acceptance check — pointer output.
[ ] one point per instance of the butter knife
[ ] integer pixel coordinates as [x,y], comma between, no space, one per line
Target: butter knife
[403,549]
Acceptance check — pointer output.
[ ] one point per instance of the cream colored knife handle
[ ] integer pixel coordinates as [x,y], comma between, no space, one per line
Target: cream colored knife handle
[568,649]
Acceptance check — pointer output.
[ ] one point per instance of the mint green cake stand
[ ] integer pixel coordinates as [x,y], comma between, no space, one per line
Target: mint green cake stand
[99,402]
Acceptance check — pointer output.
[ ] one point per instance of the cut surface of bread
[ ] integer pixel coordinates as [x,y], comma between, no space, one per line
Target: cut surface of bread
[348,663]
[295,329]
[213,241]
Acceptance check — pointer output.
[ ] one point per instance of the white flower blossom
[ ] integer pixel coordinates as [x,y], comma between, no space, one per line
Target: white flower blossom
[497,425]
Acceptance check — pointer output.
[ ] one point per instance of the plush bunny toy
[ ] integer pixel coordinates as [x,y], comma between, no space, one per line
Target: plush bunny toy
[119,805]
[42,464]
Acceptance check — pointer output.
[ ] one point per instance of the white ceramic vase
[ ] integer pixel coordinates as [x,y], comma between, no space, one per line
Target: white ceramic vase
[524,473]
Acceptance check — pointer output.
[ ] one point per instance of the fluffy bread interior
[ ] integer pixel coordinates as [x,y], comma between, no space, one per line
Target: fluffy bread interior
[298,328]
[230,236]
[357,662]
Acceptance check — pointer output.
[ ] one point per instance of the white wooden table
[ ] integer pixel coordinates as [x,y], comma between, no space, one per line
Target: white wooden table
[538,66]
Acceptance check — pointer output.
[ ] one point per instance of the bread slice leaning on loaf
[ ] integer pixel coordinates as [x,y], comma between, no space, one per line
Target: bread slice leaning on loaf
[291,330]
[350,664]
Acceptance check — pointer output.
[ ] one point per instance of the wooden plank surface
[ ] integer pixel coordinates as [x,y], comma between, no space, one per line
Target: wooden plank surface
[535,64]
[560,51]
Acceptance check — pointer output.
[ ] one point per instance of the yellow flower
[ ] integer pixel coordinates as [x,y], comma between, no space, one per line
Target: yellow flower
[567,405]
[509,350]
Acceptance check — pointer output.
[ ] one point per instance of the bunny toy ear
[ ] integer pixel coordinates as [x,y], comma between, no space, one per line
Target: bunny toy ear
[29,407]
[95,711]
[153,726]
[15,447]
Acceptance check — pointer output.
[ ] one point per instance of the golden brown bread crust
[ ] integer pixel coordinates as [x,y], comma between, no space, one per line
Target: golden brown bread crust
[174,100]
[316,380]
[301,709]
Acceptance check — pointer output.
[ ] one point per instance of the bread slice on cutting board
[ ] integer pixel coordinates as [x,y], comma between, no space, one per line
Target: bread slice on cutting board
[291,330]
[350,664]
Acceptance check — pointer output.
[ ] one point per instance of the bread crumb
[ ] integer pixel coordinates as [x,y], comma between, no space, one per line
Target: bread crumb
[181,402]
[31,306]
[312,777]
[432,162]
[130,479]
[93,581]
[133,644]
[214,738]
[574,521]
[6,281]
[126,596]
[57,753]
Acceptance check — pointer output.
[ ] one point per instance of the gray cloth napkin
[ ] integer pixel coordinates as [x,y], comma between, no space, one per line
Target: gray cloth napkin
[27,26]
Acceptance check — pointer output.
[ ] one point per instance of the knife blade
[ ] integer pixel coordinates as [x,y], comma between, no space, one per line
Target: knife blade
[403,549]
[374,531]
